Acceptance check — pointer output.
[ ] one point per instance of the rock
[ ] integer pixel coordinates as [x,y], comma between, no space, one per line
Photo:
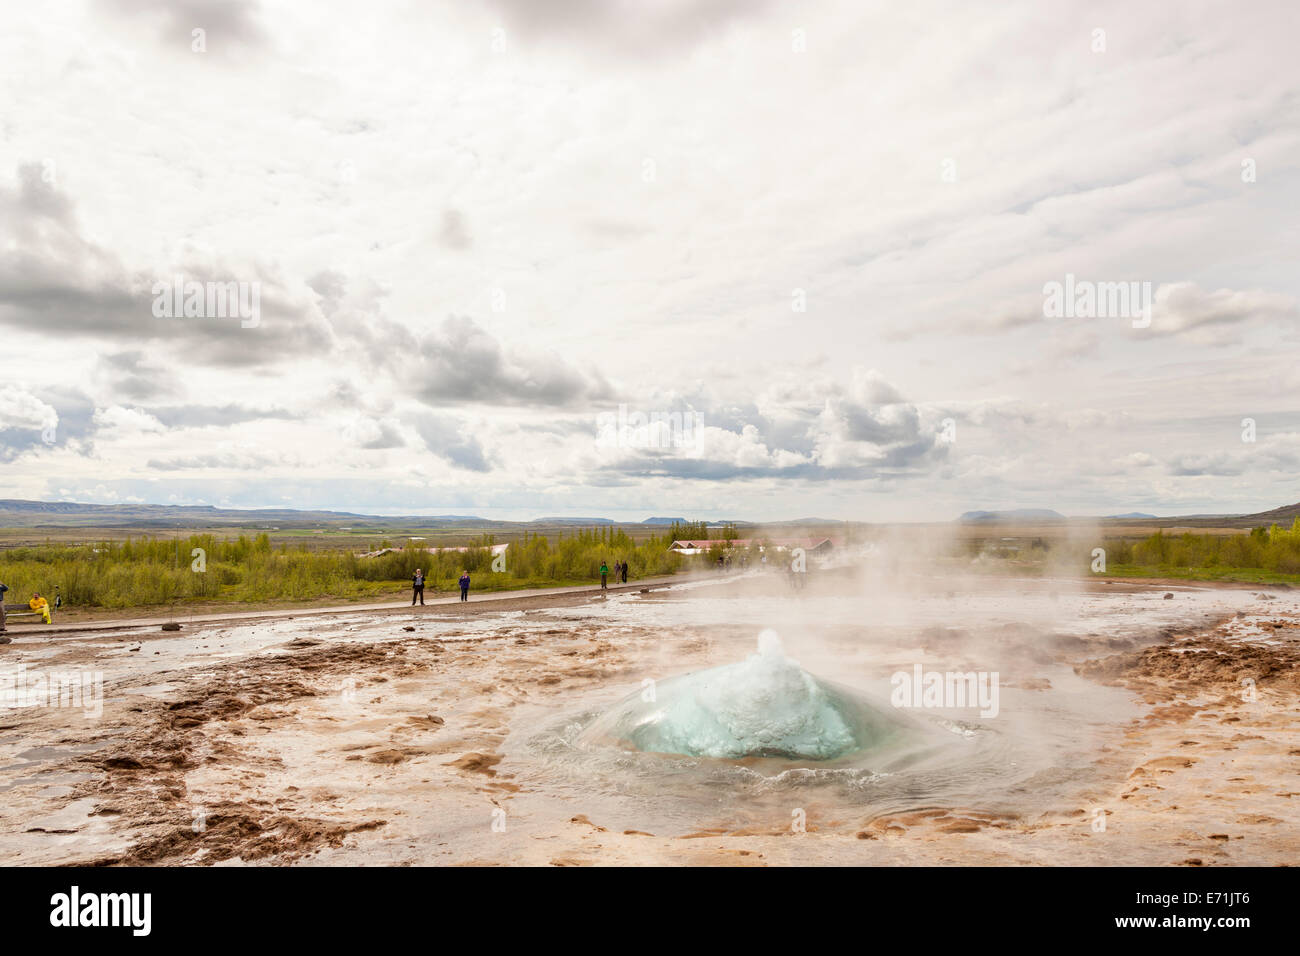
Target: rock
[171,626]
[1169,595]
[476,763]
[428,722]
[6,640]
[122,763]
[408,628]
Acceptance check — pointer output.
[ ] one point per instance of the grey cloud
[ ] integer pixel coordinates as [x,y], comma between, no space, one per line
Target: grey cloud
[1185,306]
[828,432]
[243,462]
[897,463]
[454,233]
[133,375]
[1279,453]
[331,286]
[375,435]
[462,363]
[881,425]
[16,441]
[616,28]
[54,281]
[205,416]
[610,230]
[230,25]
[458,363]
[1216,464]
[444,438]
[76,412]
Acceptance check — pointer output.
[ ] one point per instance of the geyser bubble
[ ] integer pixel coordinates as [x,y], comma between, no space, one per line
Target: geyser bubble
[764,706]
[769,643]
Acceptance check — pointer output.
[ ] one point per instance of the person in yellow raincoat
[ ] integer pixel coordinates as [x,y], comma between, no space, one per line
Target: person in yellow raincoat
[40,606]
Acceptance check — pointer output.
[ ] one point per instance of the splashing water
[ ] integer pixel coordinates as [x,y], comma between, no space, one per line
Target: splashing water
[764,706]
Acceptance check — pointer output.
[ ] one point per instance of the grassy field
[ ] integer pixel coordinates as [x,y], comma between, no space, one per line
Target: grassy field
[1263,556]
[203,569]
[1237,575]
[297,568]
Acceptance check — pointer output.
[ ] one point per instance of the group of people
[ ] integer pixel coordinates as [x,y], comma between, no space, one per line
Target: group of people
[37,604]
[620,572]
[417,582]
[417,586]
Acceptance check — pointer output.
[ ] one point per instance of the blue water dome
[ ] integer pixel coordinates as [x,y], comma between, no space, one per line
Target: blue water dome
[764,706]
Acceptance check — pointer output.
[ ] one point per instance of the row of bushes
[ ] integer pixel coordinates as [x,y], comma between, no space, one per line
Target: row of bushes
[1272,549]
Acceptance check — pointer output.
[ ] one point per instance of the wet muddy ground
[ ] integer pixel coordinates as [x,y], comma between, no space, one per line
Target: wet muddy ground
[1132,729]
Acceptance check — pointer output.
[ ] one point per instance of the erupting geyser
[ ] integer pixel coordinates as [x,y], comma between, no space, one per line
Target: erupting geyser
[765,706]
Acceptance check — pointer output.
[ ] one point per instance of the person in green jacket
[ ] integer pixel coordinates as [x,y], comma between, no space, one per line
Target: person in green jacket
[604,574]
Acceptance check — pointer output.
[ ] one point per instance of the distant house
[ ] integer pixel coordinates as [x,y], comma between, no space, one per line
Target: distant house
[378,554]
[700,546]
[495,548]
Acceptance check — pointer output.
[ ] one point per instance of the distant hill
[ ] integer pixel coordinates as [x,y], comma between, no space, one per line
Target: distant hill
[585,522]
[17,512]
[1284,515]
[20,513]
[1018,514]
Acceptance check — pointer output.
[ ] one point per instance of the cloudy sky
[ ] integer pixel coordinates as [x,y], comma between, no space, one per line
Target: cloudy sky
[823,231]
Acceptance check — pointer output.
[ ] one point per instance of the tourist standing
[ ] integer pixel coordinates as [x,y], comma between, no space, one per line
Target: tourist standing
[464,585]
[417,587]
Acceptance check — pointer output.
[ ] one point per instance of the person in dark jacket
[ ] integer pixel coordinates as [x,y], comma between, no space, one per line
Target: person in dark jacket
[623,570]
[3,589]
[417,586]
[464,585]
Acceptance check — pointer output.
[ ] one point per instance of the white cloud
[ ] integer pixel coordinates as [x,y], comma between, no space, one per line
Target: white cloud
[608,208]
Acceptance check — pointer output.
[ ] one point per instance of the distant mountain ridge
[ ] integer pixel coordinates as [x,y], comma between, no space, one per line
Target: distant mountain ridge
[1287,513]
[585,522]
[23,513]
